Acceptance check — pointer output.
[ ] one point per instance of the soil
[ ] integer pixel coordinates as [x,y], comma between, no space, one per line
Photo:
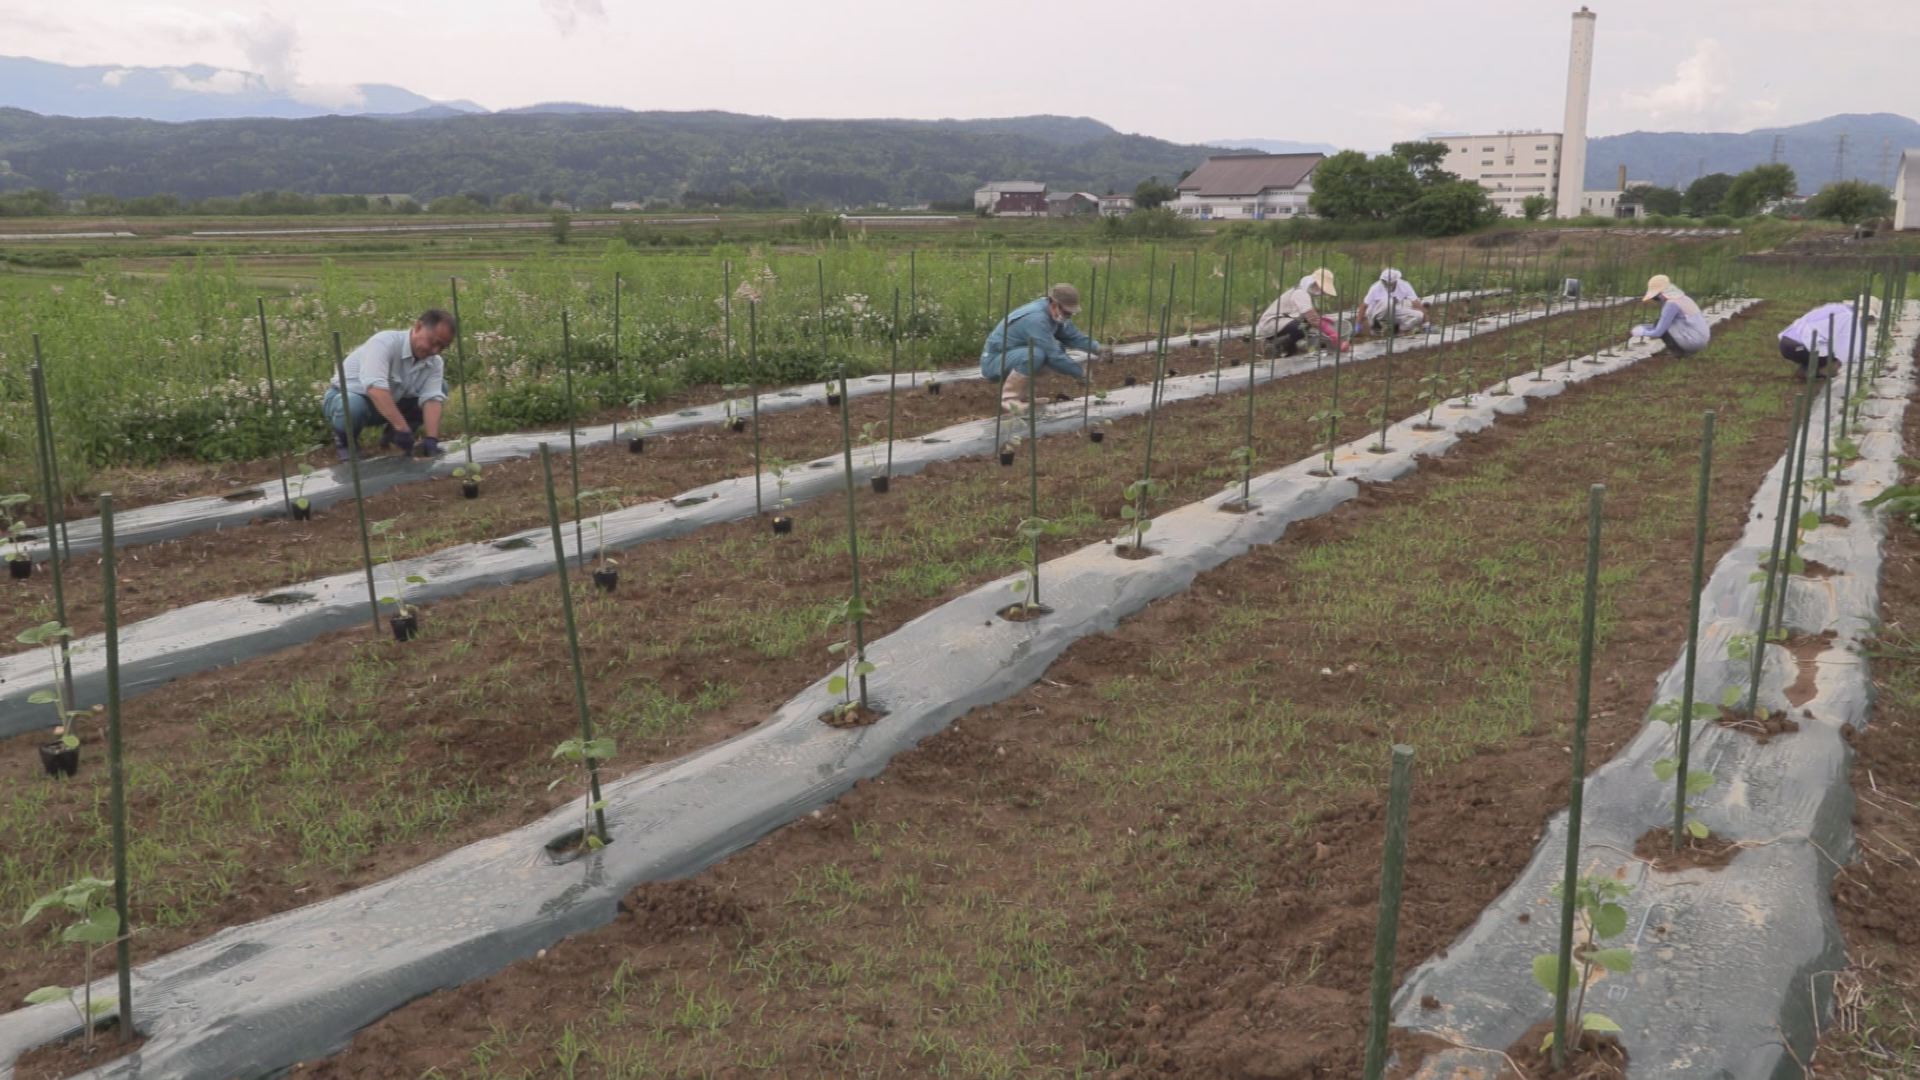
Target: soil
[271,554]
[1875,1031]
[1194,976]
[857,716]
[1596,1057]
[1806,650]
[1763,728]
[1709,853]
[56,1061]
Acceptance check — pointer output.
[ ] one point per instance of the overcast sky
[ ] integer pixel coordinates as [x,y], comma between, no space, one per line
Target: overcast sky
[1354,75]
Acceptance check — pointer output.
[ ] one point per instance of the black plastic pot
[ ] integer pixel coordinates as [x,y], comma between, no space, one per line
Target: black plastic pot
[405,627]
[19,569]
[933,388]
[880,484]
[636,445]
[470,489]
[1006,457]
[58,760]
[302,513]
[1131,381]
[737,424]
[1096,435]
[1171,373]
[606,580]
[833,400]
[782,525]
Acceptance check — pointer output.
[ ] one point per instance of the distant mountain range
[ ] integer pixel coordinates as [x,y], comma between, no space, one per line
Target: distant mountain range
[1814,150]
[1276,146]
[587,158]
[193,92]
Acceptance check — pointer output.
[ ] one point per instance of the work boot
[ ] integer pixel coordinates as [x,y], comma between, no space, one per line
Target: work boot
[340,444]
[1013,394]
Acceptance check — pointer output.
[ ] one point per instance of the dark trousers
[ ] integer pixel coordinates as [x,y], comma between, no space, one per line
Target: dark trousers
[1796,352]
[1287,341]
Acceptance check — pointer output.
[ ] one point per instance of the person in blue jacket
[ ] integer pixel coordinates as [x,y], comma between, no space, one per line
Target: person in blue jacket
[1682,325]
[1031,337]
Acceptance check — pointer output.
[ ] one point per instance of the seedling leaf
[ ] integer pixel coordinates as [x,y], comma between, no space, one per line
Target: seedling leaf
[1596,1022]
[1546,972]
[1609,920]
[1698,829]
[46,994]
[1618,961]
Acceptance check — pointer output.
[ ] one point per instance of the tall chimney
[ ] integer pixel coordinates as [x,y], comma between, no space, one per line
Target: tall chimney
[1623,178]
[1573,140]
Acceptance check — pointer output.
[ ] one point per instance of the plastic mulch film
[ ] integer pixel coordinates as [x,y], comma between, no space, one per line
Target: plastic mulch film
[1733,968]
[255,999]
[216,633]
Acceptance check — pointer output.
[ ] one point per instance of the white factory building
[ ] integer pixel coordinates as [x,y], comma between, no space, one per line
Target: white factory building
[1511,165]
[1906,192]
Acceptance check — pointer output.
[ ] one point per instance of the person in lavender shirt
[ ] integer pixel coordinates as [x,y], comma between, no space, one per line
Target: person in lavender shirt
[1681,325]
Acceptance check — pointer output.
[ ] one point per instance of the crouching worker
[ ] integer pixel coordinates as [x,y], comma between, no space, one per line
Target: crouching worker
[1034,336]
[396,381]
[1681,325]
[1826,332]
[1392,300]
[1285,323]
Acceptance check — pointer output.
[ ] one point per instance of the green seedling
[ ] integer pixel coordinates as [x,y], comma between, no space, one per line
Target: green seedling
[855,666]
[639,422]
[780,470]
[602,499]
[464,473]
[1901,501]
[49,636]
[1845,449]
[870,434]
[300,487]
[587,756]
[1327,423]
[733,405]
[1464,385]
[15,530]
[1434,389]
[385,531]
[1376,417]
[95,926]
[1138,495]
[1699,781]
[1030,531]
[1598,915]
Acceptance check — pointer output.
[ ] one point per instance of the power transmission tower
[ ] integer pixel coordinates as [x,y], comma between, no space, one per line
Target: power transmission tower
[1886,161]
[1840,159]
[1779,145]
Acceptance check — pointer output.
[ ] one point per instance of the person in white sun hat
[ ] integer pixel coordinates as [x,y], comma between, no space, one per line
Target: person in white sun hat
[1284,325]
[1392,298]
[1681,325]
[1826,332]
[1034,336]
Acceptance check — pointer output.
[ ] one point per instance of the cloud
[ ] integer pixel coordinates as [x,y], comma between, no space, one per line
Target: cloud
[222,81]
[1699,85]
[115,77]
[569,14]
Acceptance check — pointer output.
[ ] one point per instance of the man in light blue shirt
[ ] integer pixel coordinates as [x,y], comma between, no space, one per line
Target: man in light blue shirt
[1031,337]
[395,380]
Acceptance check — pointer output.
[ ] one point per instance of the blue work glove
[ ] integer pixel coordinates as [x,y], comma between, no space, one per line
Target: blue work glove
[403,440]
[430,447]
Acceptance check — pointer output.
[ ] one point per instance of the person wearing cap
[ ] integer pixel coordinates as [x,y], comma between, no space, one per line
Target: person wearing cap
[1283,326]
[1392,299]
[1681,325]
[1827,332]
[1033,336]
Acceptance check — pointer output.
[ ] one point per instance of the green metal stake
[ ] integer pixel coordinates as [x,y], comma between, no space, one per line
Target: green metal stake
[1386,933]
[573,644]
[1826,439]
[1693,627]
[1801,408]
[1220,334]
[616,322]
[56,509]
[1799,475]
[1006,304]
[1033,465]
[853,538]
[460,354]
[1246,464]
[1569,886]
[1086,390]
[573,442]
[1386,390]
[913,318]
[116,767]
[726,316]
[273,404]
[48,486]
[1153,409]
[893,378]
[753,365]
[1847,374]
[353,467]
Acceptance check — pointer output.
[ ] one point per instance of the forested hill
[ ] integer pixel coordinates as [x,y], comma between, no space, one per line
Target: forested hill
[586,158]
